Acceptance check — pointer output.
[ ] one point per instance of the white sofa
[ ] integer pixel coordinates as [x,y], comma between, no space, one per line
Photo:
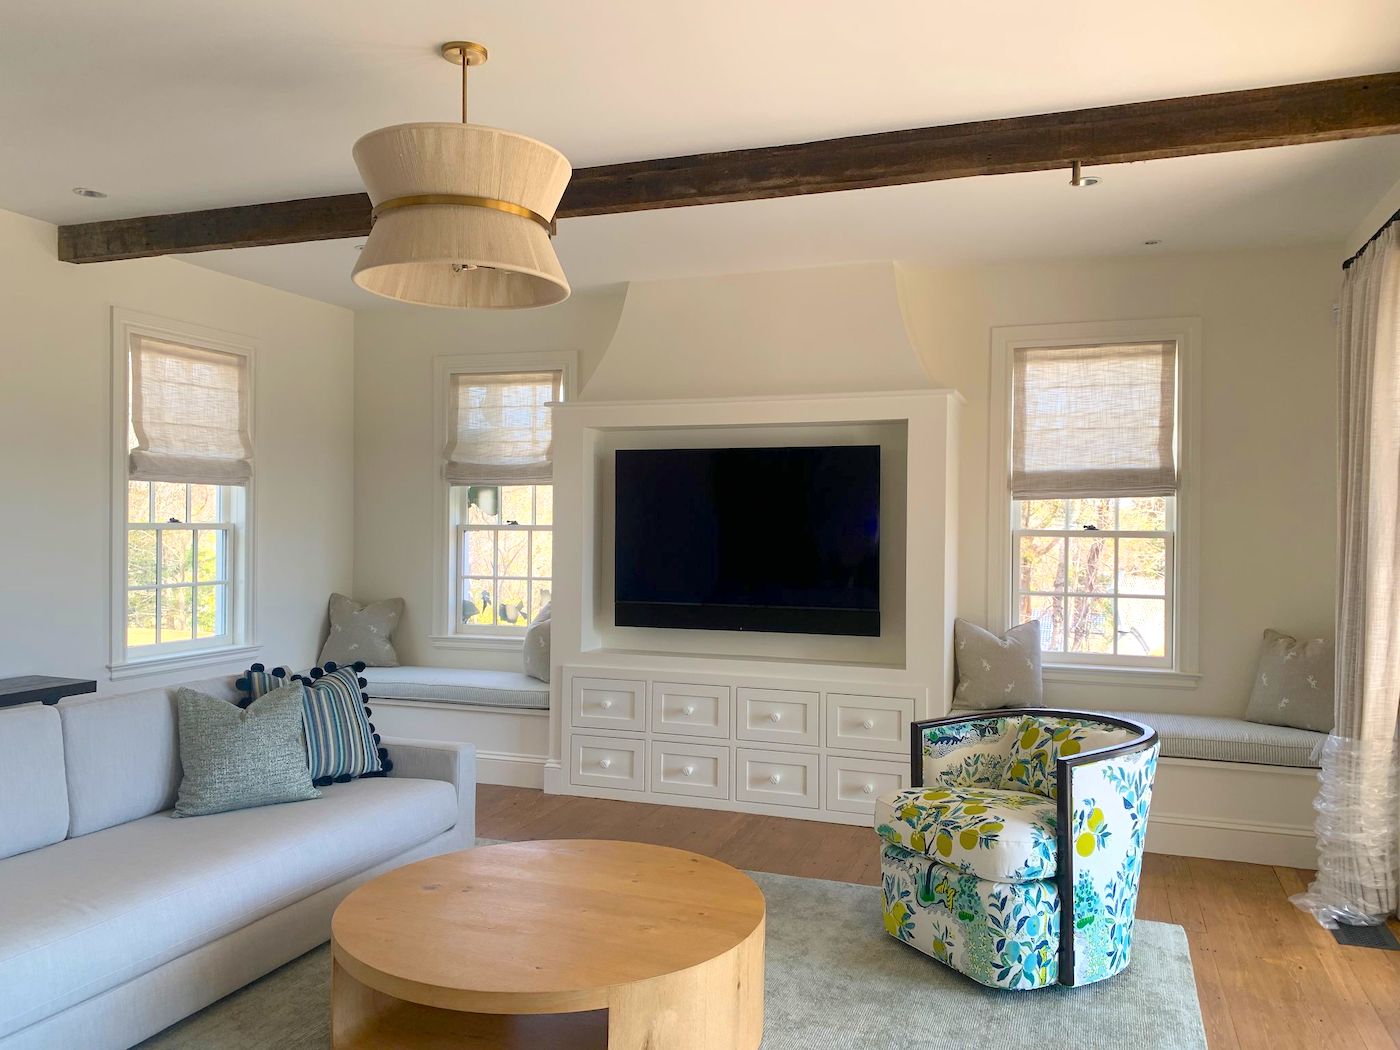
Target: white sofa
[117,921]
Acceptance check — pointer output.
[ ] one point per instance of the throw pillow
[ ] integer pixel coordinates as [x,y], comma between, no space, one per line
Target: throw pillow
[536,651]
[237,758]
[1293,684]
[362,633]
[1042,740]
[341,743]
[997,672]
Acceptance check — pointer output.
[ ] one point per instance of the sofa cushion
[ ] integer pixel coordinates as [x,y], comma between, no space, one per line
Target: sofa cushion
[88,914]
[122,754]
[456,685]
[1003,836]
[33,789]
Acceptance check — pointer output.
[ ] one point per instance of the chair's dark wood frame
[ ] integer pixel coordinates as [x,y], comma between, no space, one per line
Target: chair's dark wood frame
[1064,805]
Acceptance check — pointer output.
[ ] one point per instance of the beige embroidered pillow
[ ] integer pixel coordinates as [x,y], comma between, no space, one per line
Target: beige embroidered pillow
[997,672]
[362,632]
[1293,684]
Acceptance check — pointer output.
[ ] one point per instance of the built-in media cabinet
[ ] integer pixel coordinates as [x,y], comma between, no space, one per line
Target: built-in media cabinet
[787,747]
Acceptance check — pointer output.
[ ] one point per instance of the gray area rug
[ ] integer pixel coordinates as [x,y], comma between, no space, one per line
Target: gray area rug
[835,981]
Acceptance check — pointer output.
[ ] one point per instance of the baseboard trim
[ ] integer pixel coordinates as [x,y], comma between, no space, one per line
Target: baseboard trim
[1186,836]
[510,769]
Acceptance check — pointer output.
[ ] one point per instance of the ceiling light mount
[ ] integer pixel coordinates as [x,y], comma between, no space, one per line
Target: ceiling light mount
[462,214]
[1078,179]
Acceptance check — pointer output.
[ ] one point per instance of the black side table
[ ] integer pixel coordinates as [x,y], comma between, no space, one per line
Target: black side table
[42,689]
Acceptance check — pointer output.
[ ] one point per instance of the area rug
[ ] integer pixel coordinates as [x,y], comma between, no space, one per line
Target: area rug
[835,981]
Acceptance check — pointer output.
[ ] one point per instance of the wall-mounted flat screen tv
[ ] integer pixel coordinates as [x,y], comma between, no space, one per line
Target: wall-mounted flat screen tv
[749,539]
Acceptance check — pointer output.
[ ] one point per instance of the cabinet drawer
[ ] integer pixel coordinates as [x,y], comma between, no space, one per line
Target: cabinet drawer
[868,723]
[690,710]
[690,769]
[610,763]
[609,703]
[782,716]
[853,784]
[777,778]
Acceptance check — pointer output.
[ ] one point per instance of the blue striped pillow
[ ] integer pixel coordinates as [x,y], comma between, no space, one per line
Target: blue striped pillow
[341,742]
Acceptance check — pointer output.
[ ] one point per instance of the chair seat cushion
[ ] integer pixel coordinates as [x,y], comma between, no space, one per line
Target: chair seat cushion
[1002,836]
[87,914]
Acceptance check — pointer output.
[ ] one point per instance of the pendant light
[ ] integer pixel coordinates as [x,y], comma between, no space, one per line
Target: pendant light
[463,214]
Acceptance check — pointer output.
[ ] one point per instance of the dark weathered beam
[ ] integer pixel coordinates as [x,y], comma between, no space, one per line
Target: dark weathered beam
[1323,111]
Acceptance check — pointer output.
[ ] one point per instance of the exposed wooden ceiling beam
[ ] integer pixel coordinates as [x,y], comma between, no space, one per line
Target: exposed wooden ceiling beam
[1322,111]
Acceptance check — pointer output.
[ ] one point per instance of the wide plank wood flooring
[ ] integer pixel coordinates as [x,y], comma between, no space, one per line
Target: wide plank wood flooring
[1268,977]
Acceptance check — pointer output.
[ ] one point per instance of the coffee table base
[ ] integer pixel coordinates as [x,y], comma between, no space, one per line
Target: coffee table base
[717,1005]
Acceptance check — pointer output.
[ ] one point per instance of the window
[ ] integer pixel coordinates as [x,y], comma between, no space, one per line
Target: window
[497,468]
[183,475]
[1096,453]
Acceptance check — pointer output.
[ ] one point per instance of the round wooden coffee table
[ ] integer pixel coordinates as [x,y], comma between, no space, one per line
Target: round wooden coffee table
[561,944]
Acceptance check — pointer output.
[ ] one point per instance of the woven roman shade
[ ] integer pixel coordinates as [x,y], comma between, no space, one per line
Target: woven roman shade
[500,427]
[1093,421]
[189,414]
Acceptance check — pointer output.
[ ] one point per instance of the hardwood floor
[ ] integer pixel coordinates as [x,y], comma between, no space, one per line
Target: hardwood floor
[1269,978]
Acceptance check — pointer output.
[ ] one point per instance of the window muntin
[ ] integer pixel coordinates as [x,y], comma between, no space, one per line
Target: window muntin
[1099,574]
[180,540]
[504,555]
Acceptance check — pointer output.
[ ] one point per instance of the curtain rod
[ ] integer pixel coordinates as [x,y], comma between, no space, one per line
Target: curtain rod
[1371,240]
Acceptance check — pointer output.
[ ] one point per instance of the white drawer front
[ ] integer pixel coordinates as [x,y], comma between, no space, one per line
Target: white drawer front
[609,703]
[690,769]
[782,716]
[776,778]
[868,723]
[853,784]
[610,763]
[690,710]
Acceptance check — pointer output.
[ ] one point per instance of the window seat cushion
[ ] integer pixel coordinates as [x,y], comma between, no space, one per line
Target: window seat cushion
[1215,739]
[457,685]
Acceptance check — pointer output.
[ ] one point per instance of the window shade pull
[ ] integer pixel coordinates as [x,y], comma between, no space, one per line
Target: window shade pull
[1090,528]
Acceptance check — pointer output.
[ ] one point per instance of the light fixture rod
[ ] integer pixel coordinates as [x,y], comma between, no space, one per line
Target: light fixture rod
[465,67]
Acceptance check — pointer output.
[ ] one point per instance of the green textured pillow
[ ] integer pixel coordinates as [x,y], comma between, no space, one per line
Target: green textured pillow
[238,758]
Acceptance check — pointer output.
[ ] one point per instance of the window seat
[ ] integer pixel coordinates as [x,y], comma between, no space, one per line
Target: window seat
[1211,738]
[457,685]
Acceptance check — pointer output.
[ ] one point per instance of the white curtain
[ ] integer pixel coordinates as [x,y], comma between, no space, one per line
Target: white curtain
[500,427]
[189,414]
[1089,420]
[1358,820]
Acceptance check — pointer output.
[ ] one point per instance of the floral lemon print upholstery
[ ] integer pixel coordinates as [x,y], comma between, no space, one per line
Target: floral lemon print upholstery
[1006,836]
[977,870]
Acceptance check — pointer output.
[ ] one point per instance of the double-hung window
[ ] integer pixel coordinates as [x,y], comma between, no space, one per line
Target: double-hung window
[499,469]
[183,478]
[1094,459]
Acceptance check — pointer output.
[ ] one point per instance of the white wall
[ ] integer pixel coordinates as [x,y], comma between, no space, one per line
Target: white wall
[1266,549]
[55,405]
[1267,444]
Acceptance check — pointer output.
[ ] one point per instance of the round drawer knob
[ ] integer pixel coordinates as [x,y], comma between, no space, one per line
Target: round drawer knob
[687,771]
[606,763]
[869,789]
[775,778]
[869,723]
[606,705]
[775,717]
[688,709]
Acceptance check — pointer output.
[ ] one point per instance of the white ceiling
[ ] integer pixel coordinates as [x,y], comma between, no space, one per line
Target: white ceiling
[168,106]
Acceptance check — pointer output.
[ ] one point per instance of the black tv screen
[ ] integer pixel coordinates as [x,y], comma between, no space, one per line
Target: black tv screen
[749,539]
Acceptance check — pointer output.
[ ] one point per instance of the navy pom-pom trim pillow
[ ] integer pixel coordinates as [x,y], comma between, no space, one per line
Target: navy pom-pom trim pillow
[341,741]
[259,680]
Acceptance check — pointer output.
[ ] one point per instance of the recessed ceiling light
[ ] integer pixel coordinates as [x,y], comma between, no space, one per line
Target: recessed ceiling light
[83,191]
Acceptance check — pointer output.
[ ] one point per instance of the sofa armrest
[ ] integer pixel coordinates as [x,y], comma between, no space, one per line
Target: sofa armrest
[441,760]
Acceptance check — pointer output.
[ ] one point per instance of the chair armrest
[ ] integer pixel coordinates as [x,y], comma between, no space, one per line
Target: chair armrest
[984,732]
[440,760]
[1103,798]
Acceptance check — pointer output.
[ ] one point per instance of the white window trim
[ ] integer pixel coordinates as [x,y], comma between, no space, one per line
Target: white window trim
[238,642]
[1186,332]
[444,634]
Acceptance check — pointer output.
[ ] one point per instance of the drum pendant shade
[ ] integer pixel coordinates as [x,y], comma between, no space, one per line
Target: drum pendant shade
[464,255]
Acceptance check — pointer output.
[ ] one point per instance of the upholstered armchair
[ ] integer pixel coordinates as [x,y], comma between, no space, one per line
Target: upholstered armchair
[1015,858]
